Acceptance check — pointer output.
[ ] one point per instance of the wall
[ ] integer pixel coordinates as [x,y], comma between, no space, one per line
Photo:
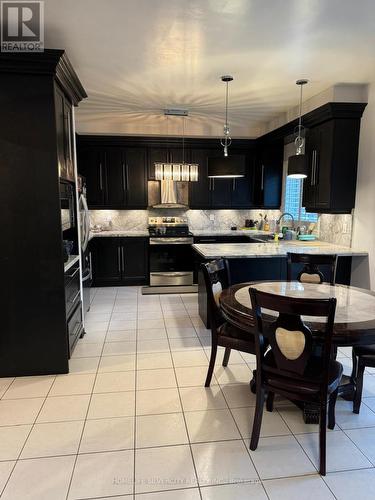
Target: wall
[363,219]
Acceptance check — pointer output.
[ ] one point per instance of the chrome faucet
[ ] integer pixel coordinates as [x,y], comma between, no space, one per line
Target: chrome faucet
[283,215]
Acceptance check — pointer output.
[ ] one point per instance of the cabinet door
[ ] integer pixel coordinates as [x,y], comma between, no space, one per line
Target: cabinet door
[311,151]
[156,155]
[199,192]
[268,176]
[91,166]
[324,165]
[242,187]
[59,110]
[221,193]
[135,261]
[136,177]
[115,188]
[68,140]
[106,261]
[178,155]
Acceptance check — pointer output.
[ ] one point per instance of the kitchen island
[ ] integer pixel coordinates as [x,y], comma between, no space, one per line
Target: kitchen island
[267,261]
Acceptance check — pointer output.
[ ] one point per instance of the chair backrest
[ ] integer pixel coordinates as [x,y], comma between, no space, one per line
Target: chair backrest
[311,272]
[293,345]
[217,278]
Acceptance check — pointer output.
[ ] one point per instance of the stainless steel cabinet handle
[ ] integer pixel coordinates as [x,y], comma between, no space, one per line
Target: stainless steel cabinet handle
[172,273]
[75,272]
[122,259]
[119,259]
[262,180]
[213,184]
[234,185]
[76,296]
[90,260]
[316,178]
[312,168]
[123,177]
[101,176]
[127,177]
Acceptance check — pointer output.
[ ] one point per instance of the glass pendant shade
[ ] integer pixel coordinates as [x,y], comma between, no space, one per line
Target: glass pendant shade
[176,172]
[226,167]
[298,166]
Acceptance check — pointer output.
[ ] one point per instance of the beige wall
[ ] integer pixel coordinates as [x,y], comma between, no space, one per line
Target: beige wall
[363,272]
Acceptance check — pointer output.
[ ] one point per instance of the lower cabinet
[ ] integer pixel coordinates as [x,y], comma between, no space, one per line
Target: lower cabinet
[120,261]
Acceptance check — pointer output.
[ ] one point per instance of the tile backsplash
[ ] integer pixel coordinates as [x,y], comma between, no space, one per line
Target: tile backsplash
[331,228]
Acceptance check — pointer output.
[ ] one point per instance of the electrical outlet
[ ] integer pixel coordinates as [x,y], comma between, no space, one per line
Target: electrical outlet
[212,217]
[345,227]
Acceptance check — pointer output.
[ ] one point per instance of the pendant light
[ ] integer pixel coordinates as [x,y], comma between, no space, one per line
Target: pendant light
[187,172]
[226,166]
[297,164]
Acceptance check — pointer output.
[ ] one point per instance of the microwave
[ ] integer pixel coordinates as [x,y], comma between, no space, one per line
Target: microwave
[67,206]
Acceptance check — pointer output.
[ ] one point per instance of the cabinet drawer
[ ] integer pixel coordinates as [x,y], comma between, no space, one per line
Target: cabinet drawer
[72,289]
[74,327]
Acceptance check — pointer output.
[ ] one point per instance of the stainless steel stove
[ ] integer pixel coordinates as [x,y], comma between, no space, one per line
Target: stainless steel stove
[171,254]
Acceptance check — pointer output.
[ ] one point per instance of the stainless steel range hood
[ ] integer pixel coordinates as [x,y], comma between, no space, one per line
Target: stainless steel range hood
[168,194]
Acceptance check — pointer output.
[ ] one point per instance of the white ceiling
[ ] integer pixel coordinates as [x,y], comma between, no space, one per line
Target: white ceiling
[137,57]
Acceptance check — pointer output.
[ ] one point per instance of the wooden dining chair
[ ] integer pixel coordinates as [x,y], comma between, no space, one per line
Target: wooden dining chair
[298,365]
[364,356]
[311,273]
[217,278]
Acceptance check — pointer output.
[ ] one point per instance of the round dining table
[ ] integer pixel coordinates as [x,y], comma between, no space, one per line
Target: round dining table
[354,318]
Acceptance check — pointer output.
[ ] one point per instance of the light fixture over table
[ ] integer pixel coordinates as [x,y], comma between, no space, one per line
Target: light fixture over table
[297,164]
[187,172]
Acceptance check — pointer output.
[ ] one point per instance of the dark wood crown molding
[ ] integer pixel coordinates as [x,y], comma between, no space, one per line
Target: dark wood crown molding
[52,62]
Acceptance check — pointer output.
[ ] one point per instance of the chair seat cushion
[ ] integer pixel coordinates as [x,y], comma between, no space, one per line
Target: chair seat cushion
[307,384]
[228,330]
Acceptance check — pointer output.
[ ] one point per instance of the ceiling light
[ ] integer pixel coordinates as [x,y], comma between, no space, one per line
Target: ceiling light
[226,141]
[297,164]
[187,172]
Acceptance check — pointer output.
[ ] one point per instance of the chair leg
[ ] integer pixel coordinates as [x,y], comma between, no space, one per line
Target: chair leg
[322,437]
[226,356]
[211,365]
[331,409]
[269,402]
[359,387]
[257,423]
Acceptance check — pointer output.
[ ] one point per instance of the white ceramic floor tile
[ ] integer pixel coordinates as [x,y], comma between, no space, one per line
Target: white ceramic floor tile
[368,386]
[93,338]
[185,344]
[92,317]
[202,398]
[238,395]
[180,332]
[147,360]
[102,474]
[235,357]
[160,430]
[190,494]
[124,316]
[40,479]
[241,491]
[158,345]
[165,468]
[48,440]
[119,348]
[108,434]
[4,384]
[67,385]
[112,404]
[280,456]
[211,425]
[118,363]
[233,374]
[342,454]
[122,325]
[155,379]
[101,308]
[87,350]
[175,314]
[146,314]
[83,365]
[97,326]
[293,417]
[156,401]
[121,336]
[115,382]
[272,423]
[358,484]
[291,488]
[223,462]
[29,387]
[19,411]
[190,358]
[349,420]
[151,334]
[62,408]
[176,322]
[11,441]
[193,376]
[364,439]
[5,470]
[144,324]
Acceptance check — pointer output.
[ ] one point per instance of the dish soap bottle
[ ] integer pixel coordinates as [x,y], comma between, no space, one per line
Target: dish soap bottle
[266,225]
[260,223]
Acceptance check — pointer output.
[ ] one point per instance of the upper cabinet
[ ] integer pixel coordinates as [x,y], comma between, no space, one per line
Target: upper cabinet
[116,177]
[64,130]
[268,175]
[332,152]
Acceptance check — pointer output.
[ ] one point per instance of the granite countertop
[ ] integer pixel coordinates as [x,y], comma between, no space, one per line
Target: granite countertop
[228,232]
[70,262]
[272,249]
[118,232]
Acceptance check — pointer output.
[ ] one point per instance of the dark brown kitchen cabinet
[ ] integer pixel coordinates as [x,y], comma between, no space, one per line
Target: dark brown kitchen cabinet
[120,261]
[332,153]
[268,175]
[200,191]
[64,132]
[116,177]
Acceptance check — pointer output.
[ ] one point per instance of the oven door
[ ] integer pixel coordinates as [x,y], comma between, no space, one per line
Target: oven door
[171,264]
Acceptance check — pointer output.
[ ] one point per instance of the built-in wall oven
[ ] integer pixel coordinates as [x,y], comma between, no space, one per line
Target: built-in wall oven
[170,253]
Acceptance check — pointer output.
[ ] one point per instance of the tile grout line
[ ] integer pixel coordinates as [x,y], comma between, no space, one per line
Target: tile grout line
[88,407]
[135,398]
